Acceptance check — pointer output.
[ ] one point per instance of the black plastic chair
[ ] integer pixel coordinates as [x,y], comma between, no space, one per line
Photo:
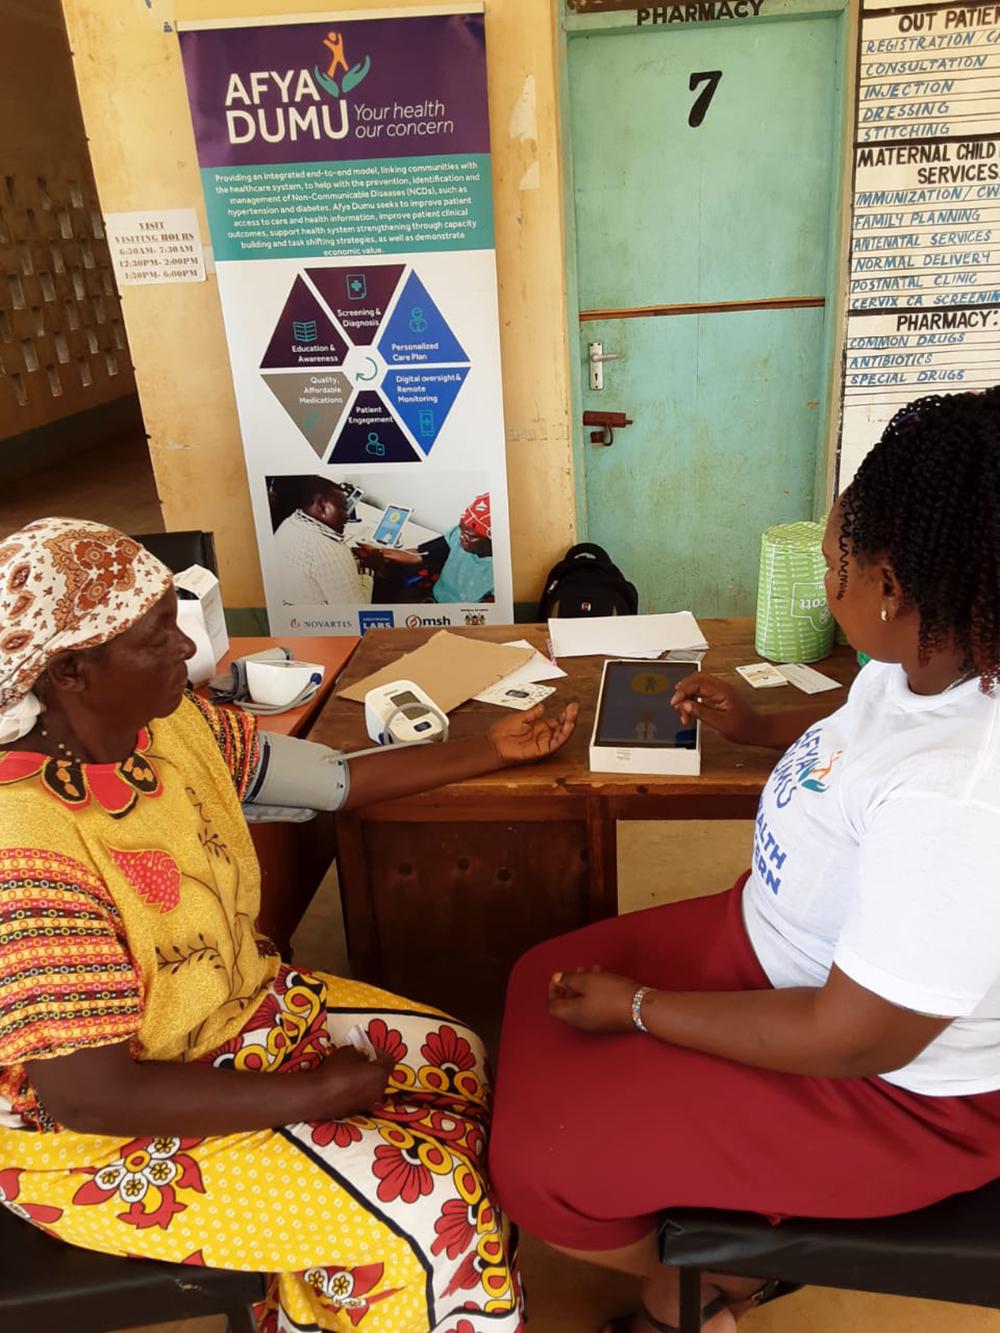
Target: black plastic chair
[47,1286]
[181,550]
[947,1252]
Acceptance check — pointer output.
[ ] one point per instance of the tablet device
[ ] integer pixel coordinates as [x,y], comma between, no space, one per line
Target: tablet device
[637,730]
[389,528]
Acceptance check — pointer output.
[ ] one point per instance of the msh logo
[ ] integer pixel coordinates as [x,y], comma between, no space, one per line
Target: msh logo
[415,622]
[375,620]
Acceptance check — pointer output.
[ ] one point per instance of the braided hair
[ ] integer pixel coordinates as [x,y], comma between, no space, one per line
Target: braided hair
[927,500]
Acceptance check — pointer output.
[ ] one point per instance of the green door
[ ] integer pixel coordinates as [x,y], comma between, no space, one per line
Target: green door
[703,176]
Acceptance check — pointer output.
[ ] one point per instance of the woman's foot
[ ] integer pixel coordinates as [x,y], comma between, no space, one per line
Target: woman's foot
[661,1300]
[720,1322]
[661,1309]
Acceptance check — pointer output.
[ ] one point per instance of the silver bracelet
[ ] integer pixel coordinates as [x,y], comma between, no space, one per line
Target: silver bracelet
[637,1000]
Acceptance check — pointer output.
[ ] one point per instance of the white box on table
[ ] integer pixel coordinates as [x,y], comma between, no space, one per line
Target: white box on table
[202,585]
[636,730]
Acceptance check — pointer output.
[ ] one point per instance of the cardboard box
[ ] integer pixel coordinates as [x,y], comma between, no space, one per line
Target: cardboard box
[204,586]
[636,729]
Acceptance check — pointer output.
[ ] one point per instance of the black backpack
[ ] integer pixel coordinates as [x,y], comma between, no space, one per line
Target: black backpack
[587,582]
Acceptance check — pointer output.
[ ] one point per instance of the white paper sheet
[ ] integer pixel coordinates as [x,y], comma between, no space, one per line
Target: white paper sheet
[536,669]
[158,245]
[806,679]
[625,636]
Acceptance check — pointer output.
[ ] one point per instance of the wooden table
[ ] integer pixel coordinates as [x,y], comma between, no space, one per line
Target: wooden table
[444,890]
[331,653]
[293,857]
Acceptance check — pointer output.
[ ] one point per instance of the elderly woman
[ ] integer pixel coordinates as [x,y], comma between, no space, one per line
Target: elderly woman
[823,1039]
[142,1019]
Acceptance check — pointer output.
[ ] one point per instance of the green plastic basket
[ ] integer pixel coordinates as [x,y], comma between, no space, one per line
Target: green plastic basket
[794,623]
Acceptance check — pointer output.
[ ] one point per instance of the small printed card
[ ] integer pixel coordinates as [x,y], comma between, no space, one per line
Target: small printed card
[807,680]
[521,697]
[358,1038]
[761,675]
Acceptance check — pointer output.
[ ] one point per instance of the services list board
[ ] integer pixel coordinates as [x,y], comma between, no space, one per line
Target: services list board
[924,298]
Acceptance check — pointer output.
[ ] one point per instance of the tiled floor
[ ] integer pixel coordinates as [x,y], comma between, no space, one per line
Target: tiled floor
[657,863]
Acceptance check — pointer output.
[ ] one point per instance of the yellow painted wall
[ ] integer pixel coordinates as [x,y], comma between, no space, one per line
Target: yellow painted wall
[135,108]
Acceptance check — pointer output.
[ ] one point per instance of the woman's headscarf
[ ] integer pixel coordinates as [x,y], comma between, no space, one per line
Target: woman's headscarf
[478,518]
[64,584]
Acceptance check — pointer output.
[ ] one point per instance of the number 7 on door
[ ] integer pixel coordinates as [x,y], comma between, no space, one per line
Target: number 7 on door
[710,78]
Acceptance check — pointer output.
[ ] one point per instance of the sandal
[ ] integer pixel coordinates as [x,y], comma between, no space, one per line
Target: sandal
[770,1291]
[623,1324]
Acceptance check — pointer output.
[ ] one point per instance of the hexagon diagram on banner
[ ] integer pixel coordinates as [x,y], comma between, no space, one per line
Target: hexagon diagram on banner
[371,434]
[417,334]
[359,295]
[316,402]
[304,335]
[396,364]
[423,398]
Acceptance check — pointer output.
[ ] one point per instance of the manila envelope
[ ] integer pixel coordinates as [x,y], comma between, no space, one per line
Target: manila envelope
[449,667]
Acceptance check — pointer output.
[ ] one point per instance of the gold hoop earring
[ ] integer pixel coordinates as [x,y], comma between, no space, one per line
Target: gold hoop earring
[885,616]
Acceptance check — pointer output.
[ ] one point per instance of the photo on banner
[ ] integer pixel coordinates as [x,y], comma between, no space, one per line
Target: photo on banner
[346,169]
[390,546]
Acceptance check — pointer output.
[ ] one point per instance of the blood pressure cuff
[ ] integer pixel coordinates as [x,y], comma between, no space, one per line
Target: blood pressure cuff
[298,776]
[232,687]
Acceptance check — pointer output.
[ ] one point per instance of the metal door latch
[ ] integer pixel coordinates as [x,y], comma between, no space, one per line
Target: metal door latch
[608,422]
[597,357]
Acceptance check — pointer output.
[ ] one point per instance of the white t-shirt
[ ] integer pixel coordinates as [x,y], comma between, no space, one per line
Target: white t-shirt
[316,566]
[877,847]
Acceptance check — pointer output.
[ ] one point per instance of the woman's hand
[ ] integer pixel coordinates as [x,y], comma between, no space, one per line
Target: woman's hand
[524,738]
[593,1001]
[103,1090]
[720,706]
[382,555]
[350,1083]
[368,557]
[520,738]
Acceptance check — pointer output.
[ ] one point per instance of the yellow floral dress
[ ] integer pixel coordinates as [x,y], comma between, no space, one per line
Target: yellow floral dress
[128,894]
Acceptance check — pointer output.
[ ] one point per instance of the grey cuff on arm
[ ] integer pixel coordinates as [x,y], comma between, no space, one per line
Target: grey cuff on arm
[298,774]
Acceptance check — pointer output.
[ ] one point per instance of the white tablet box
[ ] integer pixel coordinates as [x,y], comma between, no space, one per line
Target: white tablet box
[646,755]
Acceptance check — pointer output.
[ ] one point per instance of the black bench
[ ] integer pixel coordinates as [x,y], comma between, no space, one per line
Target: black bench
[947,1252]
[47,1286]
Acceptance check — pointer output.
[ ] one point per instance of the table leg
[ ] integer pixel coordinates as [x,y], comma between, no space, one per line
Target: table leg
[293,859]
[602,856]
[357,900]
[440,911]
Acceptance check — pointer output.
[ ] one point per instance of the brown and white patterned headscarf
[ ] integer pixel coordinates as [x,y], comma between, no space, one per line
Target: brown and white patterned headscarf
[64,584]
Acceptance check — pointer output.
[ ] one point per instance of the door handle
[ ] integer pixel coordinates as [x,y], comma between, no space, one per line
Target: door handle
[608,423]
[597,356]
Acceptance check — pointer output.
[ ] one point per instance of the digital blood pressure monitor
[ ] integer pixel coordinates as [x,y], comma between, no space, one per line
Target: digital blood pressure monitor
[401,713]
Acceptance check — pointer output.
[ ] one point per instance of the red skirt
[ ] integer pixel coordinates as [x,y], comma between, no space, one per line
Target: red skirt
[593,1136]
